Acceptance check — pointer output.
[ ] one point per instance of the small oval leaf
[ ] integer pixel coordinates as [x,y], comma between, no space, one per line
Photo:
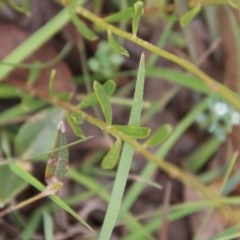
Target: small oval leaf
[138,11]
[75,127]
[77,117]
[160,135]
[111,158]
[91,99]
[188,16]
[57,165]
[104,102]
[82,27]
[134,131]
[116,46]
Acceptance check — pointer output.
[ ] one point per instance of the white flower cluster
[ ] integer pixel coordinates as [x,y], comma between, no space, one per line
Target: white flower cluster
[219,118]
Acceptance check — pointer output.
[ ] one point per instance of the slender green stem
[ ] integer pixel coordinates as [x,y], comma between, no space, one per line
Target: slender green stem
[214,86]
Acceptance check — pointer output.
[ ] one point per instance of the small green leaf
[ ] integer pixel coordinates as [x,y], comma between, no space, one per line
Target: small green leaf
[82,27]
[160,135]
[120,16]
[76,117]
[234,3]
[111,158]
[134,131]
[91,99]
[188,16]
[75,127]
[104,102]
[138,11]
[57,164]
[117,46]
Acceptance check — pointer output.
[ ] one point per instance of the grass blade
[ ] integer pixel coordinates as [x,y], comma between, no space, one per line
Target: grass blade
[125,161]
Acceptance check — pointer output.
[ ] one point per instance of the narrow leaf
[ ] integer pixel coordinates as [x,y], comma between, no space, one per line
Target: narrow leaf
[123,15]
[125,160]
[160,135]
[111,158]
[91,99]
[134,131]
[76,117]
[57,165]
[138,11]
[75,127]
[82,27]
[47,225]
[104,102]
[38,185]
[188,16]
[117,46]
[7,91]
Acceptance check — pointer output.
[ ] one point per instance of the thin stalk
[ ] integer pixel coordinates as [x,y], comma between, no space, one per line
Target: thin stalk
[214,87]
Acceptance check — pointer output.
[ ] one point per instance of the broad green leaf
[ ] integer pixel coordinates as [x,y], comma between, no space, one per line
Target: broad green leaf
[91,99]
[188,16]
[138,11]
[82,27]
[134,131]
[104,102]
[13,187]
[14,184]
[75,127]
[117,46]
[111,158]
[159,136]
[20,110]
[57,164]
[120,16]
[37,135]
[234,3]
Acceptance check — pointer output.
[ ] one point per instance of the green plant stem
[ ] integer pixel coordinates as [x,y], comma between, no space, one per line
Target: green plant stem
[172,170]
[214,87]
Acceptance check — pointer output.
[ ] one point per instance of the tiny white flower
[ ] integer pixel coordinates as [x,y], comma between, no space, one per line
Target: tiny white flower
[235,118]
[220,108]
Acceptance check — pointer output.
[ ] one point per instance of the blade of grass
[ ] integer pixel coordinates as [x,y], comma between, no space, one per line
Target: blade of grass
[148,171]
[47,226]
[125,161]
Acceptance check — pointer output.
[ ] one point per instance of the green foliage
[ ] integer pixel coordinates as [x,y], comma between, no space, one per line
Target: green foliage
[117,46]
[111,158]
[29,140]
[106,61]
[188,16]
[35,137]
[104,102]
